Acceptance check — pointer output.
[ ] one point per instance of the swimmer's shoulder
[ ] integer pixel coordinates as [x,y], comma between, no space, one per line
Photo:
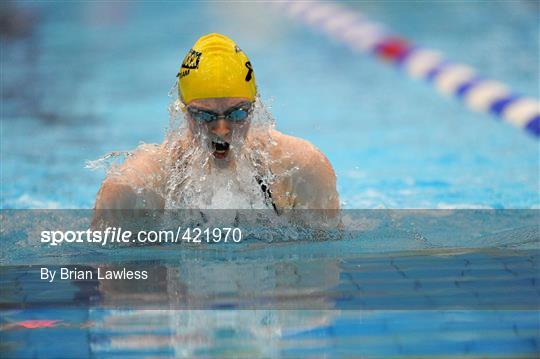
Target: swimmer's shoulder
[297,152]
[144,164]
[139,179]
[148,157]
[312,175]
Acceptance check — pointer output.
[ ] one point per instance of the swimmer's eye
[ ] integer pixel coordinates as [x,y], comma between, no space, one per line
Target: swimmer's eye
[202,116]
[237,114]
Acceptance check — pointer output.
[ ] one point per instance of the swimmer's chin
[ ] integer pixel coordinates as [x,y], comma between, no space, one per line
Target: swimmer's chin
[221,155]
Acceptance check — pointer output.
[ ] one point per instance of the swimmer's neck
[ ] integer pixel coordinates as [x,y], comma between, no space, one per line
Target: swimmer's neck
[228,165]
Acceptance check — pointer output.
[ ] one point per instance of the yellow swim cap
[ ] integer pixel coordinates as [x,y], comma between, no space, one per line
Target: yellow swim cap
[215,67]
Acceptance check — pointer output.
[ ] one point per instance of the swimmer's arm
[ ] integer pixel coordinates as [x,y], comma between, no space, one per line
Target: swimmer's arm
[315,182]
[115,195]
[136,184]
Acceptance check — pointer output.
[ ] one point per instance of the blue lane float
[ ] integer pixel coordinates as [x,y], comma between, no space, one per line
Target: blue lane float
[452,79]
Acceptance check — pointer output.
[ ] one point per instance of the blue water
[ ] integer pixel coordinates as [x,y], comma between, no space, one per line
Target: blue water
[86,79]
[94,78]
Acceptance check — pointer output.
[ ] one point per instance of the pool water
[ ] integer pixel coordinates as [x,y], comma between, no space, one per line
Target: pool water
[94,78]
[82,80]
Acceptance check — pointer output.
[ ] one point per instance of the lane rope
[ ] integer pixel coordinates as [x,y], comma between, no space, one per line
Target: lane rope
[359,34]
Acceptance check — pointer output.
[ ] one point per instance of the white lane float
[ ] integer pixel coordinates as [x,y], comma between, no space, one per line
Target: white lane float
[362,35]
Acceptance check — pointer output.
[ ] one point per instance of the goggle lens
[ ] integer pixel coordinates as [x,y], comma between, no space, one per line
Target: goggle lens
[236,115]
[203,116]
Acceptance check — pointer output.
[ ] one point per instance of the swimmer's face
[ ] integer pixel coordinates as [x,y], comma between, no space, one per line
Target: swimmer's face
[222,123]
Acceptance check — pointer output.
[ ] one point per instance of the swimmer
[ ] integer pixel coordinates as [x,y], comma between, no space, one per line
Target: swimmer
[221,154]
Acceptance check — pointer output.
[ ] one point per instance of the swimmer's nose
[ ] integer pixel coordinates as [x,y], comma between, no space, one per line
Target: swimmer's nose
[221,128]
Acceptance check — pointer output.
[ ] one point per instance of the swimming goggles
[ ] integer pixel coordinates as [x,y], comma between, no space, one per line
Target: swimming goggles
[236,114]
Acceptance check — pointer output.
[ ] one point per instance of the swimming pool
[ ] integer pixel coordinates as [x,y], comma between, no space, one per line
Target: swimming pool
[83,80]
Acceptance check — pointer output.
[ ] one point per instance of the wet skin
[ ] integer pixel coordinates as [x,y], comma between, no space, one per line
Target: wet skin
[304,177]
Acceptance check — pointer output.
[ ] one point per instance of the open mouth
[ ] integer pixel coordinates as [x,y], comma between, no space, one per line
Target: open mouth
[221,149]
